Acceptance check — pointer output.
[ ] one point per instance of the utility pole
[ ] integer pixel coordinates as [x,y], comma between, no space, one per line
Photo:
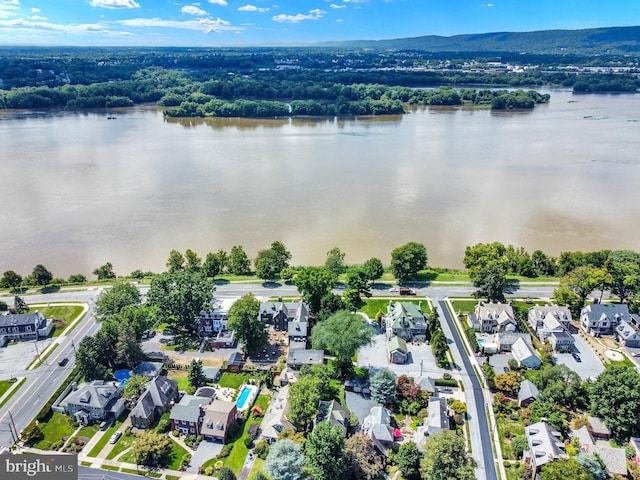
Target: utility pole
[74,347]
[12,434]
[15,430]
[37,352]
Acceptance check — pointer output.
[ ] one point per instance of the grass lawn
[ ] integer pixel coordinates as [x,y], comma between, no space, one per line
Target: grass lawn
[121,445]
[434,275]
[233,380]
[263,402]
[12,393]
[172,477]
[373,305]
[258,466]
[110,467]
[464,306]
[54,430]
[515,429]
[180,376]
[514,470]
[4,386]
[105,438]
[62,315]
[85,464]
[624,363]
[175,456]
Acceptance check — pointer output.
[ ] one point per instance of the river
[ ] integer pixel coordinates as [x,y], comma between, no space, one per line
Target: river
[79,190]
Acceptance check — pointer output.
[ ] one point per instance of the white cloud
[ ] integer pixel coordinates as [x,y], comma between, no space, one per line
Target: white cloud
[9,8]
[487,5]
[193,10]
[312,15]
[37,18]
[252,8]
[55,27]
[206,25]
[222,3]
[112,4]
[35,10]
[333,5]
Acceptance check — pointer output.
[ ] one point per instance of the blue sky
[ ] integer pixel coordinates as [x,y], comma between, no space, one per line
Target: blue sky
[256,22]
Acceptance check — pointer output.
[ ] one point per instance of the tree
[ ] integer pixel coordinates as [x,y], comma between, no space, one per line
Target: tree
[625,277]
[615,396]
[269,263]
[361,458]
[120,295]
[215,263]
[193,260]
[383,387]
[105,272]
[196,376]
[373,268]
[478,256]
[490,280]
[439,345]
[564,468]
[285,461]
[19,305]
[175,262]
[41,276]
[133,388]
[10,280]
[77,278]
[88,360]
[518,445]
[150,447]
[245,320]
[281,254]
[324,451]
[179,297]
[335,261]
[543,264]
[341,335]
[128,349]
[580,282]
[408,460]
[445,458]
[225,473]
[238,261]
[507,382]
[31,434]
[312,386]
[358,284]
[408,260]
[329,304]
[594,465]
[314,283]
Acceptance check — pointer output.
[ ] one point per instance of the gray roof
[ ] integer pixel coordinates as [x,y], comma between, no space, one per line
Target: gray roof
[305,357]
[378,424]
[521,350]
[438,418]
[295,311]
[583,436]
[614,458]
[189,408]
[545,444]
[427,384]
[527,390]
[598,426]
[148,369]
[625,330]
[501,312]
[509,338]
[562,335]
[22,319]
[550,316]
[158,393]
[211,372]
[614,311]
[297,329]
[96,394]
[406,315]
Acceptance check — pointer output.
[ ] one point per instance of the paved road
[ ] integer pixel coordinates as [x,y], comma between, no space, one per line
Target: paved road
[478,425]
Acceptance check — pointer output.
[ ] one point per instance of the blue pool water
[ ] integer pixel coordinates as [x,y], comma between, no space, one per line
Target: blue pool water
[480,341]
[243,397]
[122,376]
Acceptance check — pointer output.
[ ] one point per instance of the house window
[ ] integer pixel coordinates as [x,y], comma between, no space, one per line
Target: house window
[192,430]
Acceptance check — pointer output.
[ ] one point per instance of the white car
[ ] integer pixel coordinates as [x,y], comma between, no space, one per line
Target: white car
[394,289]
[114,438]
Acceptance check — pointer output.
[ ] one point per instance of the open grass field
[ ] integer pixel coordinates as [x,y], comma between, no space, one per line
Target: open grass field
[233,380]
[180,376]
[512,429]
[54,430]
[62,315]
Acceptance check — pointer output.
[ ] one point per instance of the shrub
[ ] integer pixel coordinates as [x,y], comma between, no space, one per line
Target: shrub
[186,458]
[226,473]
[208,471]
[262,449]
[175,433]
[248,442]
[164,425]
[252,431]
[446,376]
[423,413]
[226,450]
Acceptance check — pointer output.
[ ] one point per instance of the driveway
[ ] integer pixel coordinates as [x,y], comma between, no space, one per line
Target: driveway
[205,451]
[376,356]
[589,367]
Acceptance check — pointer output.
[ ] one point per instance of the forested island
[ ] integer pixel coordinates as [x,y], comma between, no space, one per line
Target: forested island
[292,81]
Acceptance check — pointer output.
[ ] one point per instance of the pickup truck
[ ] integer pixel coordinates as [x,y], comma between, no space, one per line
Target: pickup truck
[407,291]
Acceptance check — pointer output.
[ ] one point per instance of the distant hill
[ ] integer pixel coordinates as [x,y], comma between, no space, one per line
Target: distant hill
[611,40]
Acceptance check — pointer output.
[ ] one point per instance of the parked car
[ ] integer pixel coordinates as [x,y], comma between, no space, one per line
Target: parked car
[445,390]
[104,425]
[63,362]
[407,291]
[576,356]
[114,438]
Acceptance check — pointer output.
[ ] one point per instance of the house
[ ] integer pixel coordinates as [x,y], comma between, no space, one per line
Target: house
[436,421]
[235,362]
[275,418]
[186,416]
[627,335]
[525,355]
[398,352]
[407,321]
[224,339]
[297,333]
[280,314]
[527,394]
[545,445]
[154,401]
[25,326]
[493,318]
[212,374]
[94,401]
[297,358]
[614,459]
[377,426]
[334,413]
[598,429]
[214,320]
[427,384]
[561,341]
[287,376]
[544,319]
[602,319]
[148,369]
[218,415]
[505,340]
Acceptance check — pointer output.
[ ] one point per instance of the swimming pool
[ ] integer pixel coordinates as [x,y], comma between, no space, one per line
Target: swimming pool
[122,376]
[246,397]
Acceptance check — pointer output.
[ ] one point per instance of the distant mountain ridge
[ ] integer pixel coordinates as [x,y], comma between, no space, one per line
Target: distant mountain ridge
[609,40]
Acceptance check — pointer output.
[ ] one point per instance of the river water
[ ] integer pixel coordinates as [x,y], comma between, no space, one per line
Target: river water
[79,190]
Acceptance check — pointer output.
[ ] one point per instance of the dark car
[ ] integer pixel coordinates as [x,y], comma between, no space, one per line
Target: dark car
[576,356]
[63,362]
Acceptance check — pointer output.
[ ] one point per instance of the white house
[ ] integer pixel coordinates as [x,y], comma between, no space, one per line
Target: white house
[602,319]
[525,355]
[493,318]
[627,335]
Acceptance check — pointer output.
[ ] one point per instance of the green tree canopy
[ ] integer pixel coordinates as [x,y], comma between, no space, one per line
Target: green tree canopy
[238,262]
[361,457]
[270,262]
[490,280]
[40,275]
[373,268]
[175,262]
[335,261]
[341,335]
[194,262]
[245,320]
[10,279]
[114,299]
[134,386]
[312,386]
[285,461]
[215,263]
[314,283]
[150,448]
[408,460]
[577,285]
[567,468]
[446,458]
[196,376]
[19,305]
[383,387]
[408,260]
[105,272]
[324,451]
